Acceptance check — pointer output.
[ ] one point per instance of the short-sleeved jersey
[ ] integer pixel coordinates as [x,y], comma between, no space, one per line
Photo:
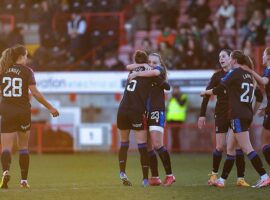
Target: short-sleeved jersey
[136,94]
[222,104]
[156,99]
[239,84]
[267,87]
[15,83]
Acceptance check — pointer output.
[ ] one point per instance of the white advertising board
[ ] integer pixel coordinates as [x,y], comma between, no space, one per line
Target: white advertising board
[112,82]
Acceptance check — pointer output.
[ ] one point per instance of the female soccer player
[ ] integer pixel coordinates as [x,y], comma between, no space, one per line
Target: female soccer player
[131,116]
[240,86]
[265,80]
[156,120]
[16,80]
[222,122]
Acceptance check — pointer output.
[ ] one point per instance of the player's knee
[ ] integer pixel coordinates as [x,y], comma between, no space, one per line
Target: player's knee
[157,144]
[220,147]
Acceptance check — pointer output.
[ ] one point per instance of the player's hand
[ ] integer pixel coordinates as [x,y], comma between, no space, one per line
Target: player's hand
[201,122]
[203,94]
[147,67]
[261,112]
[54,112]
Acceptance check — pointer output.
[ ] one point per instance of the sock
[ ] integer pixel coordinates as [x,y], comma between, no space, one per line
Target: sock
[240,163]
[153,163]
[165,158]
[256,162]
[217,156]
[227,166]
[266,153]
[24,163]
[144,159]
[6,160]
[264,177]
[122,156]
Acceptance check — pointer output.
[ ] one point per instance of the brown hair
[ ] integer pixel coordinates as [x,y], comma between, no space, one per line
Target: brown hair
[140,57]
[161,62]
[10,56]
[239,56]
[250,62]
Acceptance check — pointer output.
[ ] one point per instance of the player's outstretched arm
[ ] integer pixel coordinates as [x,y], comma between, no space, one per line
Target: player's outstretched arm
[259,79]
[38,96]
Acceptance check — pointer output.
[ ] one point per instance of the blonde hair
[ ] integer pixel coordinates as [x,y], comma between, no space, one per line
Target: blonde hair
[10,56]
[161,62]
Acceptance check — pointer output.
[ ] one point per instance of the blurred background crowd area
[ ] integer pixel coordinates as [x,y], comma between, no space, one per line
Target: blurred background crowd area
[99,35]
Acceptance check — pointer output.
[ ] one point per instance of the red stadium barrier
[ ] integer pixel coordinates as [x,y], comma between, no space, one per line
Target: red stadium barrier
[51,138]
[191,138]
[258,53]
[8,19]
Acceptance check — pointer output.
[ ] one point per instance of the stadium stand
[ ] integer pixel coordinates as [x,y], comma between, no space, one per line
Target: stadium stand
[122,26]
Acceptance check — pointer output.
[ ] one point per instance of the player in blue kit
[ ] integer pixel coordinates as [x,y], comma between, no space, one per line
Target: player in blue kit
[265,81]
[222,121]
[156,120]
[16,80]
[131,116]
[241,87]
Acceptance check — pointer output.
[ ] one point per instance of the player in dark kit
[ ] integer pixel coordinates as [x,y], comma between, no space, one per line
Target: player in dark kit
[265,81]
[156,120]
[131,116]
[15,109]
[222,122]
[240,86]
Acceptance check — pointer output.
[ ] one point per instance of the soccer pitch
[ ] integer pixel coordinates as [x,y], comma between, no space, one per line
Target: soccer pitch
[95,176]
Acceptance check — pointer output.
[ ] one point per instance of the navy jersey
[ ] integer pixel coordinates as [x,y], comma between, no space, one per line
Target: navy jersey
[135,95]
[222,104]
[14,86]
[156,100]
[267,88]
[239,84]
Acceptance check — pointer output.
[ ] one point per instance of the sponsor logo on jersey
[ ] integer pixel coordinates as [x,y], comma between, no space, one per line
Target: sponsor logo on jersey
[25,127]
[137,125]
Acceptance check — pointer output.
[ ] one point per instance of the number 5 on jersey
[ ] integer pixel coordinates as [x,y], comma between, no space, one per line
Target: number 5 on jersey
[132,85]
[13,87]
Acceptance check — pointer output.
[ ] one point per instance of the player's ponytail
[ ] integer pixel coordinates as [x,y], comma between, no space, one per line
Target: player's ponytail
[10,56]
[6,60]
[250,62]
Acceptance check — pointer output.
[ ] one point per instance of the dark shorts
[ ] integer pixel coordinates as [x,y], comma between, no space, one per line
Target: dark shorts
[156,121]
[222,125]
[240,125]
[15,121]
[127,120]
[266,122]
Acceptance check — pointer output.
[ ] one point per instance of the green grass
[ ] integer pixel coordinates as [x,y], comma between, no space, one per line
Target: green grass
[95,176]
